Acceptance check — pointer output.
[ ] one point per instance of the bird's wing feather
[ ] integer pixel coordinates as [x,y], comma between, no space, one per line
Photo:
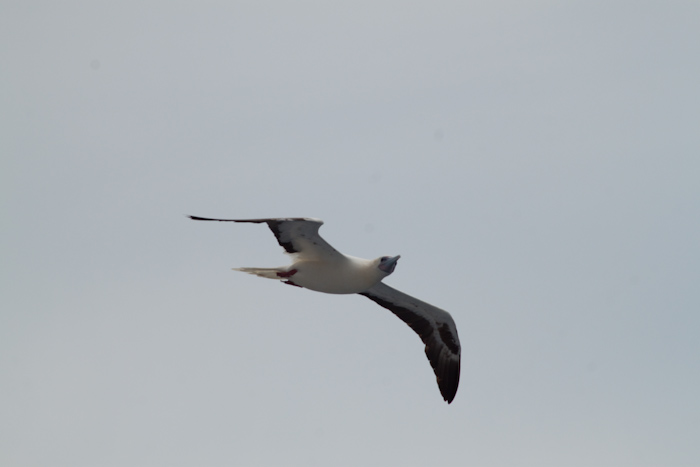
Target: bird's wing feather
[436,329]
[297,235]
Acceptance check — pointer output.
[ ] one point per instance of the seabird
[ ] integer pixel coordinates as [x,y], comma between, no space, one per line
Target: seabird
[318,266]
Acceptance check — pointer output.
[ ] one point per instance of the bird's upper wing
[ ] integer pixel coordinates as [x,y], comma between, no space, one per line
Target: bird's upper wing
[298,236]
[436,329]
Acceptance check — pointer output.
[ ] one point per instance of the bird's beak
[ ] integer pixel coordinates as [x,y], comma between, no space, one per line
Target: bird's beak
[389,265]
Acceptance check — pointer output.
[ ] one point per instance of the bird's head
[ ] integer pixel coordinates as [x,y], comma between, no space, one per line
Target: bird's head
[386,264]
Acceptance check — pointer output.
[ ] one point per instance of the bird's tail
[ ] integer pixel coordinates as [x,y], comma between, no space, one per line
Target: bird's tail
[268,273]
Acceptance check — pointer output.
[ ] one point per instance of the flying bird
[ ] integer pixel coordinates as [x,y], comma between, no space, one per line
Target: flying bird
[318,266]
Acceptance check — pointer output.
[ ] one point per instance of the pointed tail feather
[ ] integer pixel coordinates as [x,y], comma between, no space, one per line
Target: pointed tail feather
[268,273]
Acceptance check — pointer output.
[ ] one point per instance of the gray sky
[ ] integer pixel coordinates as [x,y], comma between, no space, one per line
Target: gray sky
[536,165]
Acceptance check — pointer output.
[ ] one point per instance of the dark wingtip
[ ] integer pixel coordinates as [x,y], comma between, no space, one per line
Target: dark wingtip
[196,218]
[449,388]
[449,397]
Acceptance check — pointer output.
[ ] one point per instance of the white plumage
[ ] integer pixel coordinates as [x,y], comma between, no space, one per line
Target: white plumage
[318,266]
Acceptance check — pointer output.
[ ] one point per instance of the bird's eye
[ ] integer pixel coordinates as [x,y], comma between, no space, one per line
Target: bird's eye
[384,258]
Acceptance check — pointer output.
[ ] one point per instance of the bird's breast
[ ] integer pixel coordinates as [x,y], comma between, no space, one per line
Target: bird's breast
[338,277]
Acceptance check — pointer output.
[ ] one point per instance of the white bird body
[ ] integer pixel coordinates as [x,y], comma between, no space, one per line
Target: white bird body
[320,267]
[343,275]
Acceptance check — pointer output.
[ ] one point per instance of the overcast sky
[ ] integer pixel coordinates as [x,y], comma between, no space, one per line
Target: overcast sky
[536,164]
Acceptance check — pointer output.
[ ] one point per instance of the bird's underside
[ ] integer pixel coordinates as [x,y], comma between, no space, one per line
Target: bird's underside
[320,267]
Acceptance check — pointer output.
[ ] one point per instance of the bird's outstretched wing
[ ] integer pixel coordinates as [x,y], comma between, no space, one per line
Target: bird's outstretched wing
[436,329]
[297,235]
